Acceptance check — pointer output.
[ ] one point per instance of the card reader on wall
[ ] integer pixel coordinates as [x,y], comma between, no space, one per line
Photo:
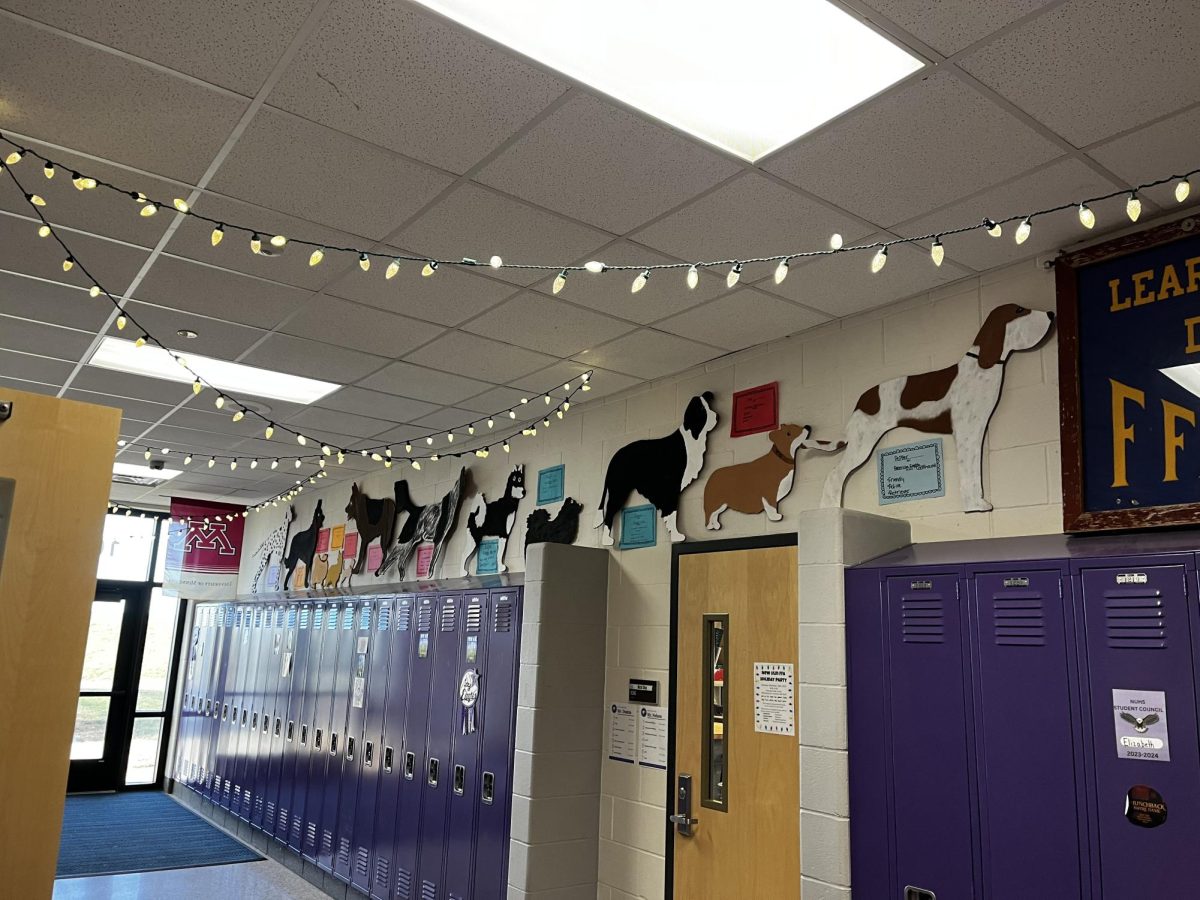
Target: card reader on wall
[643,691]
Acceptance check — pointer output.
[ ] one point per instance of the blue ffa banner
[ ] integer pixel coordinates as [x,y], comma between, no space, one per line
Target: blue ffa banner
[639,527]
[911,472]
[1132,447]
[550,484]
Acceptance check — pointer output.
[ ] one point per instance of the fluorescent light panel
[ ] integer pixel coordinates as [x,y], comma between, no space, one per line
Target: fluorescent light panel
[134,471]
[749,76]
[123,356]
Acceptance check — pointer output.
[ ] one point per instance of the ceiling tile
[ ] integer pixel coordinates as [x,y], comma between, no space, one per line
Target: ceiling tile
[1154,151]
[360,327]
[648,354]
[220,41]
[1062,182]
[842,285]
[34,368]
[21,250]
[320,421]
[423,384]
[314,360]
[47,301]
[214,337]
[32,387]
[452,417]
[949,31]
[550,326]
[450,297]
[401,433]
[474,221]
[740,319]
[466,354]
[122,384]
[1092,68]
[600,164]
[498,399]
[140,410]
[322,175]
[603,382]
[43,340]
[912,150]
[219,294]
[377,405]
[190,439]
[148,119]
[406,79]
[750,216]
[202,416]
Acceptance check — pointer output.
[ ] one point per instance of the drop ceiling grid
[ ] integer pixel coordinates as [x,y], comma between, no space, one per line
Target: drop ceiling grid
[509,146]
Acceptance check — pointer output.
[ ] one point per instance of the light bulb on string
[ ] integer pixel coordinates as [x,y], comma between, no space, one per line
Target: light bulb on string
[212,461]
[364,262]
[121,322]
[274,464]
[992,228]
[341,457]
[377,456]
[141,342]
[256,243]
[321,462]
[835,241]
[270,430]
[450,437]
[1183,188]
[640,281]
[594,266]
[278,241]
[219,403]
[197,386]
[392,269]
[781,271]
[149,209]
[239,415]
[297,462]
[35,199]
[326,450]
[48,170]
[560,281]
[491,423]
[301,440]
[187,460]
[937,252]
[879,260]
[408,448]
[232,464]
[429,268]
[512,413]
[734,275]
[254,463]
[94,291]
[181,204]
[507,448]
[1023,230]
[314,258]
[495,262]
[83,182]
[218,235]
[147,454]
[15,157]
[68,264]
[1133,207]
[1087,218]
[416,464]
[43,231]
[693,277]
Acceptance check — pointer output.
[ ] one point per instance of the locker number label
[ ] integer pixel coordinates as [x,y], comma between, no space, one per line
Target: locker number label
[1140,721]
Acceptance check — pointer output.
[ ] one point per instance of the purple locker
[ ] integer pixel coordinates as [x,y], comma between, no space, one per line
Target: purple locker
[414,766]
[929,705]
[222,785]
[269,651]
[473,671]
[371,765]
[213,725]
[1027,726]
[283,659]
[240,805]
[304,724]
[292,725]
[498,722]
[323,715]
[443,715]
[382,836]
[249,745]
[353,752]
[1137,629]
[230,796]
[330,785]
[187,703]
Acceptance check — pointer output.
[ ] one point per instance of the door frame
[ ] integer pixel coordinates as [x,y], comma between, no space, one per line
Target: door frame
[686,548]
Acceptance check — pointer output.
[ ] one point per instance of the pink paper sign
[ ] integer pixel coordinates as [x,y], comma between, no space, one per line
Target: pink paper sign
[323,540]
[350,550]
[374,557]
[424,558]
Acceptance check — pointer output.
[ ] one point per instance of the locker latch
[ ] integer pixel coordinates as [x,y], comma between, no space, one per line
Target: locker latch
[410,764]
[278,725]
[350,748]
[254,722]
[317,740]
[225,713]
[303,735]
[434,765]
[388,754]
[368,753]
[489,786]
[916,893]
[333,743]
[460,779]
[291,728]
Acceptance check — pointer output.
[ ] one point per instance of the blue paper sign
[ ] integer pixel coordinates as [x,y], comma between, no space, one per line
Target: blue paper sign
[550,484]
[486,561]
[639,527]
[911,472]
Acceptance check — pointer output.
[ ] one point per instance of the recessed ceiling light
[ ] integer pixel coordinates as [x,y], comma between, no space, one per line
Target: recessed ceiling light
[748,78]
[187,333]
[129,470]
[123,356]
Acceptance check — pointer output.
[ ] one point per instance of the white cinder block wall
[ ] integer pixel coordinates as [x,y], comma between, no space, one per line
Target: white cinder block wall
[821,374]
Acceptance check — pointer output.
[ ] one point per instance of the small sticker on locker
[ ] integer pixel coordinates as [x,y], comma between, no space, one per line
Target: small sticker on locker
[1140,723]
[359,694]
[472,648]
[362,644]
[1145,807]
[423,646]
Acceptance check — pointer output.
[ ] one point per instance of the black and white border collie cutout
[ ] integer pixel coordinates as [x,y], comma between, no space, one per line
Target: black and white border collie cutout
[658,469]
[495,519]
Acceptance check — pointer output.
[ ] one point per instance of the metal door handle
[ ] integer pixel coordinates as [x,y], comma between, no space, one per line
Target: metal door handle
[685,821]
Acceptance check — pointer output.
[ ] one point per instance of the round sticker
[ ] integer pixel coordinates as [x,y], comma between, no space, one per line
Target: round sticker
[468,688]
[1145,807]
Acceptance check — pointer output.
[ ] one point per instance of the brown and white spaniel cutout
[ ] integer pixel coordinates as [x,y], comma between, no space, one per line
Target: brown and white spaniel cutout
[958,400]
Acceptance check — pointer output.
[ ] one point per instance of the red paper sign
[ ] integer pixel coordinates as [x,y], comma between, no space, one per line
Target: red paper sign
[350,548]
[374,557]
[323,540]
[424,558]
[754,410]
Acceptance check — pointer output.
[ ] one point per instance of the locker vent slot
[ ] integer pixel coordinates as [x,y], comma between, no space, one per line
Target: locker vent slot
[279,616]
[237,619]
[1019,619]
[297,828]
[474,615]
[384,622]
[291,617]
[503,614]
[1135,621]
[383,872]
[364,618]
[304,617]
[310,837]
[269,818]
[921,620]
[348,619]
[428,891]
[404,617]
[318,617]
[343,854]
[228,617]
[362,863]
[326,842]
[449,611]
[403,884]
[425,618]
[257,617]
[283,821]
[333,618]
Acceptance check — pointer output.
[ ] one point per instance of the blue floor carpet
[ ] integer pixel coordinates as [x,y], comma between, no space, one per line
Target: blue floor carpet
[109,834]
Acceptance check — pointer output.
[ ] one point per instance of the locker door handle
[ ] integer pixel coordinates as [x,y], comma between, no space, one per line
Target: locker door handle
[350,748]
[333,743]
[368,753]
[278,725]
[410,764]
[225,713]
[388,754]
[291,728]
[317,740]
[266,724]
[303,735]
[235,714]
[244,717]
[434,765]
[460,779]
[254,722]
[489,786]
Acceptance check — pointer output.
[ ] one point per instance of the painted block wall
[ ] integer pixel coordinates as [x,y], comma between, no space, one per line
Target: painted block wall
[821,373]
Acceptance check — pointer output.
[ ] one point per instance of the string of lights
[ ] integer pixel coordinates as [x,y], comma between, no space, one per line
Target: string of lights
[148,206]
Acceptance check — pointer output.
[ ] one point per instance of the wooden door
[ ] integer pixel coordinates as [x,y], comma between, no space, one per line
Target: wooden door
[736,608]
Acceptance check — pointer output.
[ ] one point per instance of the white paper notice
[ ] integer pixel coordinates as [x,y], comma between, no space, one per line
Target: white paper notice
[622,733]
[774,698]
[359,693]
[1140,721]
[652,737]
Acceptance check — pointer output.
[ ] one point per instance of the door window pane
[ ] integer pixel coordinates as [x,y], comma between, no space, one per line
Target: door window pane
[104,634]
[160,561]
[91,720]
[156,659]
[715,714]
[128,543]
[143,751]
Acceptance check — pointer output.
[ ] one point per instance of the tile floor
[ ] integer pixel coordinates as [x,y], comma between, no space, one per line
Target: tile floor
[254,879]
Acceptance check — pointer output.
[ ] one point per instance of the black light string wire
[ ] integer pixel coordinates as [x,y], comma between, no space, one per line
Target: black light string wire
[431,264]
[380,452]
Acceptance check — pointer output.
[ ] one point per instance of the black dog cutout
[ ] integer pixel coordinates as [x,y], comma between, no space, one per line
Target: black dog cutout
[495,519]
[562,529]
[433,523]
[303,548]
[659,468]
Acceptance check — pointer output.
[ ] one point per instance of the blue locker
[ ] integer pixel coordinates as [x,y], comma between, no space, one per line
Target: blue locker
[231,797]
[184,732]
[304,725]
[498,722]
[340,695]
[274,757]
[370,769]
[250,747]
[269,650]
[443,715]
[367,647]
[213,731]
[472,671]
[229,704]
[293,724]
[323,715]
[414,766]
[381,840]
[240,804]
